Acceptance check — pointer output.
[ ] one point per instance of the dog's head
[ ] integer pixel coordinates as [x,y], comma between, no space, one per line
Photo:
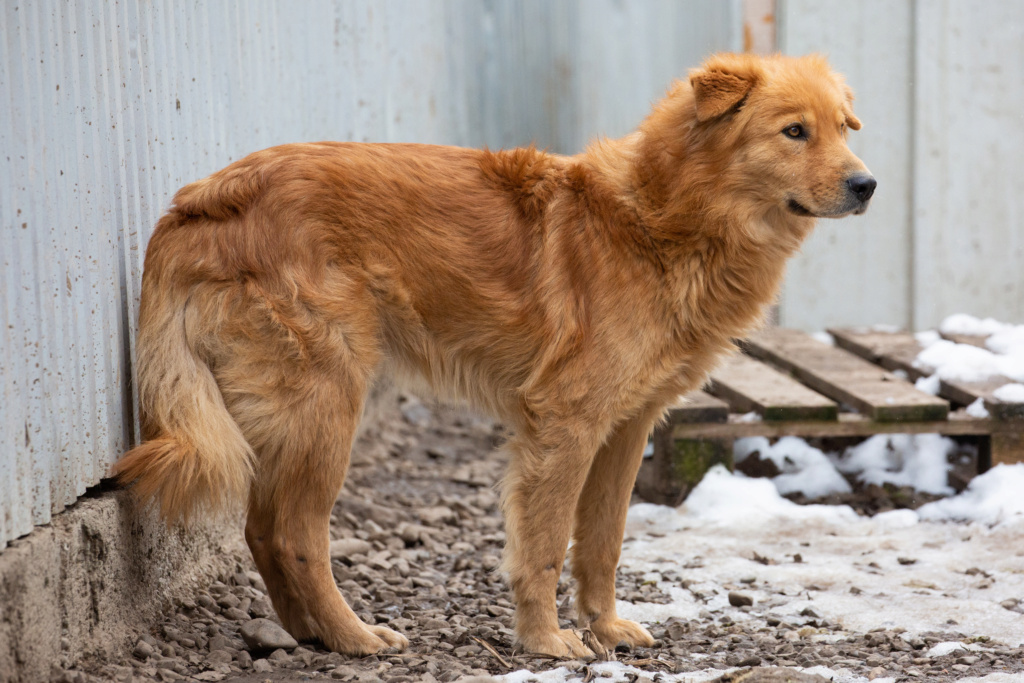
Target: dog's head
[779,125]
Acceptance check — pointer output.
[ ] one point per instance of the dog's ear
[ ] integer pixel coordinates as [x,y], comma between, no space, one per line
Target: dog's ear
[851,119]
[716,90]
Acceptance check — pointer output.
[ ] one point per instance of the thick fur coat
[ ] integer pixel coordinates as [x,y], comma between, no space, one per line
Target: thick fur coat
[572,297]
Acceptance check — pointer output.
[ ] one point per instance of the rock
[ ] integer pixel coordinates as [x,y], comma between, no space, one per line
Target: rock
[209,676]
[346,547]
[739,599]
[261,607]
[441,452]
[414,533]
[219,657]
[262,666]
[228,600]
[415,413]
[244,660]
[263,634]
[437,515]
[143,650]
[279,656]
[235,614]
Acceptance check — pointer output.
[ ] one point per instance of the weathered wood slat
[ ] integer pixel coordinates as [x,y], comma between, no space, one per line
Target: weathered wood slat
[749,385]
[848,424]
[891,350]
[897,350]
[844,377]
[698,406]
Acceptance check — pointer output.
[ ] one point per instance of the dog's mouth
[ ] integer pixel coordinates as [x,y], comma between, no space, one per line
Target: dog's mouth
[797,208]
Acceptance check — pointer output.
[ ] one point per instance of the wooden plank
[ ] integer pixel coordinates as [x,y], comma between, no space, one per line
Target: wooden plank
[891,350]
[749,385]
[897,350]
[842,376]
[698,406]
[848,424]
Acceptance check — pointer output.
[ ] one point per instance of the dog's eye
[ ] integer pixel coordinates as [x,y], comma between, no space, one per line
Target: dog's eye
[796,131]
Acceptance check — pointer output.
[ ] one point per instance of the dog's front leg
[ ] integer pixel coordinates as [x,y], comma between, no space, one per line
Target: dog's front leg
[600,523]
[539,494]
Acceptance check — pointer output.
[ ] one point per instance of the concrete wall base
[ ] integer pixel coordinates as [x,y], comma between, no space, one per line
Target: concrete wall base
[89,583]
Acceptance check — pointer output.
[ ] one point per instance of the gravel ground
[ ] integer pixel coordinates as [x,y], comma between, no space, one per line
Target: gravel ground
[419,534]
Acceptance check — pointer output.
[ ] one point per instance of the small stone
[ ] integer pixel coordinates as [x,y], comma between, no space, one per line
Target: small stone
[244,659]
[346,547]
[263,634]
[262,666]
[490,562]
[739,599]
[279,656]
[877,672]
[228,600]
[235,614]
[436,516]
[143,650]
[219,657]
[209,676]
[261,607]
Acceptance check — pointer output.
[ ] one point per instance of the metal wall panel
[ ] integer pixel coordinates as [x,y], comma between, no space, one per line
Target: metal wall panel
[106,108]
[856,270]
[968,186]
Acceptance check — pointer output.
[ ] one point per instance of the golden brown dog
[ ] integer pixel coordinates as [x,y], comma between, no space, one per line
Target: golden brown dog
[571,297]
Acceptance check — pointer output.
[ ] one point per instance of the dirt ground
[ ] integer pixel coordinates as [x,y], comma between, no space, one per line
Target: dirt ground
[421,533]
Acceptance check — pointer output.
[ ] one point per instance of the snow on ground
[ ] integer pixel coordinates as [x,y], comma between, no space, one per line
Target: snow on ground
[1003,353]
[944,567]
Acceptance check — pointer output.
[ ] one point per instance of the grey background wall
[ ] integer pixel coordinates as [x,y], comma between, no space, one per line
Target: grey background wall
[106,108]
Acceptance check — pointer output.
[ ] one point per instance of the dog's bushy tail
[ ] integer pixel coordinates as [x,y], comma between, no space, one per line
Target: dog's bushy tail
[195,456]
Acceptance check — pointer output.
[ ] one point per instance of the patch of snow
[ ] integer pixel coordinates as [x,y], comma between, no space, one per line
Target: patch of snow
[927,338]
[803,468]
[929,385]
[962,323]
[991,498]
[943,649]
[824,337]
[1003,355]
[752,416]
[1009,341]
[727,499]
[977,409]
[1010,393]
[917,460]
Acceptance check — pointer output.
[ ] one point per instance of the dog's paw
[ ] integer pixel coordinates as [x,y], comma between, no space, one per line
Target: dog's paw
[564,643]
[366,640]
[393,639]
[611,632]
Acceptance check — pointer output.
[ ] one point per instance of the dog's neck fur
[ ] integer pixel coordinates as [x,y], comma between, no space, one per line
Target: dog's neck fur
[676,174]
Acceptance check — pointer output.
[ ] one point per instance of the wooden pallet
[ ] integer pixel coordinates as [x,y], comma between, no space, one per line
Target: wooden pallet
[788,383]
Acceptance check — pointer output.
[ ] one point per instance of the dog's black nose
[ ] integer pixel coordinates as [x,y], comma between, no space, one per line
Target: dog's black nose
[862,185]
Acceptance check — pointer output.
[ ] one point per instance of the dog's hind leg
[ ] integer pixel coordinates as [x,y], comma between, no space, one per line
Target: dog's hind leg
[600,523]
[294,374]
[301,467]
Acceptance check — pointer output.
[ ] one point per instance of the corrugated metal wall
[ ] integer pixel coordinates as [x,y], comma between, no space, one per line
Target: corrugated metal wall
[106,108]
[940,89]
